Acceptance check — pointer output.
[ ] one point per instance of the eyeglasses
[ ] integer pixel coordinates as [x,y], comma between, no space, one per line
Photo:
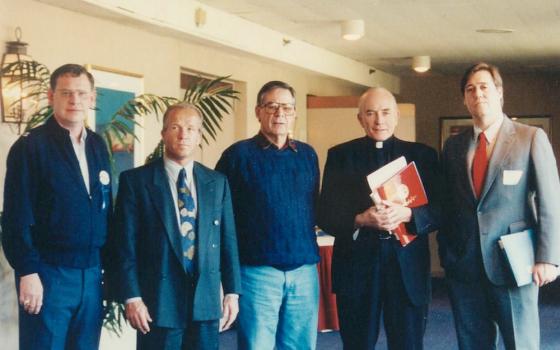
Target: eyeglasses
[273,107]
[79,94]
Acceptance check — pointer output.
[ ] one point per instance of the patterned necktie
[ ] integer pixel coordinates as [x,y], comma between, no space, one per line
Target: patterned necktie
[480,165]
[188,221]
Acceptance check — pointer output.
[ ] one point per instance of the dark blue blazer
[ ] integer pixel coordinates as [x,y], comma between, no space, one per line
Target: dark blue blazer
[345,193]
[150,255]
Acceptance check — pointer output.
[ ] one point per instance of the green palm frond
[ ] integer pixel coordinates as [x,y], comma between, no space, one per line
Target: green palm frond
[31,73]
[33,77]
[114,317]
[214,99]
[119,129]
[39,118]
[156,153]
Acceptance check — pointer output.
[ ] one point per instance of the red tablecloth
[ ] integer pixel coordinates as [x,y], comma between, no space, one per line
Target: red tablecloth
[328,316]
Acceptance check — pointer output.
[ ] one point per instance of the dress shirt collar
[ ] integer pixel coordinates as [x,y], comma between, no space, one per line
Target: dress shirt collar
[83,136]
[54,126]
[491,132]
[172,169]
[265,143]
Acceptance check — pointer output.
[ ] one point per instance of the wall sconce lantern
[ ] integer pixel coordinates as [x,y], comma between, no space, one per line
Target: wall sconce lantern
[18,83]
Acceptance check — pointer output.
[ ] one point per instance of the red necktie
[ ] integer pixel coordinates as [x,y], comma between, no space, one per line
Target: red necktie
[479,165]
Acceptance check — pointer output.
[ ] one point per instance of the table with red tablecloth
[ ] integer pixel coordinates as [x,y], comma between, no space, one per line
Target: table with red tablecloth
[328,316]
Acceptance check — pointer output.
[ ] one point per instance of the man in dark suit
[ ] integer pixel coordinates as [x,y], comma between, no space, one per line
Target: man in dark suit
[372,272]
[177,242]
[57,205]
[500,177]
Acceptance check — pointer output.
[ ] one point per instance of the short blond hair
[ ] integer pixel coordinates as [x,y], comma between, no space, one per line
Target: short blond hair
[177,106]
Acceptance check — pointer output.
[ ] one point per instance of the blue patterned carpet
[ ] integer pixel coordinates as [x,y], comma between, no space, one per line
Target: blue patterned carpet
[440,332]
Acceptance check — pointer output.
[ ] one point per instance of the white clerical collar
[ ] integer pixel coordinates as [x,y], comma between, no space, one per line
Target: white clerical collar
[379,144]
[491,132]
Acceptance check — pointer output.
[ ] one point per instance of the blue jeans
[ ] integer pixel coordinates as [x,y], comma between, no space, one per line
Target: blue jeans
[278,308]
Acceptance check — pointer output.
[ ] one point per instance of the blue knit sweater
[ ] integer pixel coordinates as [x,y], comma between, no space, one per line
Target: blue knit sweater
[274,193]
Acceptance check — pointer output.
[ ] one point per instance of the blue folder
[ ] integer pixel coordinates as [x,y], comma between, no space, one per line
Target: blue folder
[519,249]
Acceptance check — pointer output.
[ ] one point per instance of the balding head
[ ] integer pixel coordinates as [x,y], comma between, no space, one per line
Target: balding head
[376,93]
[378,113]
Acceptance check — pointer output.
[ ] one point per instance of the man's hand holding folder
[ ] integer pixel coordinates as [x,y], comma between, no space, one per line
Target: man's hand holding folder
[396,187]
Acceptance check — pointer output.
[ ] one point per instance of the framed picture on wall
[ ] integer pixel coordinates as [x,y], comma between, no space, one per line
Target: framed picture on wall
[449,126]
[114,88]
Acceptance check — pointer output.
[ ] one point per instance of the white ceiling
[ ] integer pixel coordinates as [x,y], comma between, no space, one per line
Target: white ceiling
[399,29]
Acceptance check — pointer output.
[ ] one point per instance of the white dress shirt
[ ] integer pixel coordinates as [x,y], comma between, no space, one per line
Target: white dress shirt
[79,146]
[491,134]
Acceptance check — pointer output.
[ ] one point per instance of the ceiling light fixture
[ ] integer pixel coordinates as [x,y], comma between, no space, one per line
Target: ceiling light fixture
[352,29]
[421,64]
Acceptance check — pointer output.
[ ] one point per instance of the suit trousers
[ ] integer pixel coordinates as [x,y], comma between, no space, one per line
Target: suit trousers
[360,315]
[481,309]
[198,335]
[72,311]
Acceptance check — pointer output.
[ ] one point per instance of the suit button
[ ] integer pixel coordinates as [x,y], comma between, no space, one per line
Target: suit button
[216,222]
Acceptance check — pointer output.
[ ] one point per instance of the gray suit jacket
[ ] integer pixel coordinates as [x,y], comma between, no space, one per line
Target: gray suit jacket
[521,190]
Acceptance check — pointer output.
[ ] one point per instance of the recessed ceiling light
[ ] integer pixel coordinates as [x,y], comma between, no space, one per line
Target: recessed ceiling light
[495,31]
[421,64]
[352,29]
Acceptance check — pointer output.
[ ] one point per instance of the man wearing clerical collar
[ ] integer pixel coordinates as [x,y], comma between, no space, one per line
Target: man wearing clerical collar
[373,274]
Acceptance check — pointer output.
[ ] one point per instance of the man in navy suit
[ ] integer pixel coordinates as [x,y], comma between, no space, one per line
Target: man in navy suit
[57,204]
[372,272]
[500,177]
[177,241]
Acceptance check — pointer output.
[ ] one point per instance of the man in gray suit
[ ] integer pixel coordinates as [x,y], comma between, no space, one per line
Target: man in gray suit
[500,177]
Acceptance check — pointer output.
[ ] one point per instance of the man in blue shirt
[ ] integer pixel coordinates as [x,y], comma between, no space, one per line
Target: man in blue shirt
[274,183]
[57,204]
